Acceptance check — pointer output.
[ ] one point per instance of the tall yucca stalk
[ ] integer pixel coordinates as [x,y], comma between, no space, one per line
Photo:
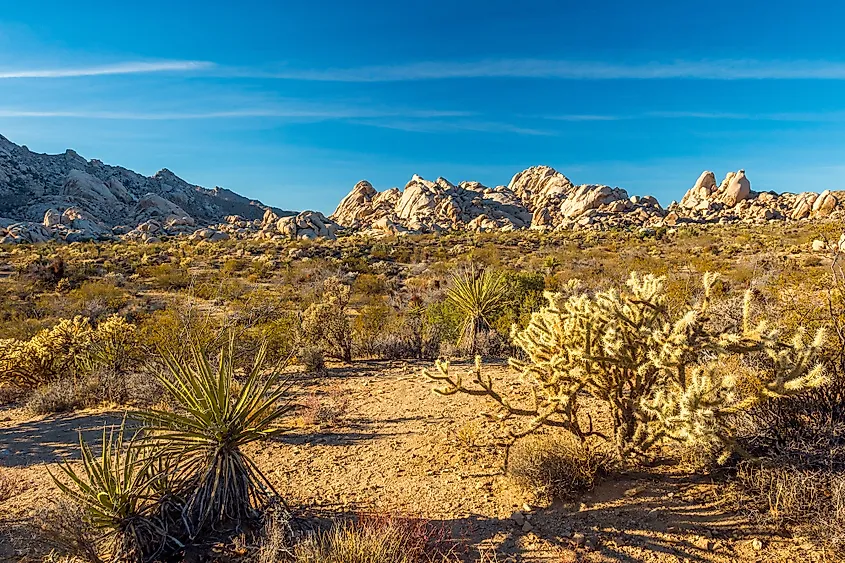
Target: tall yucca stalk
[113,491]
[212,420]
[478,296]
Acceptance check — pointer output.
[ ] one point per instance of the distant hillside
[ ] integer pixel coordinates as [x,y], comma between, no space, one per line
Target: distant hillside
[31,184]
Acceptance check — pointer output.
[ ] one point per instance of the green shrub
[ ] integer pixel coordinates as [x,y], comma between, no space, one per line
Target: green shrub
[326,322]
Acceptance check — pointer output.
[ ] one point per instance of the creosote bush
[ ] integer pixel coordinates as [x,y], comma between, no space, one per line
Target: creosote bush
[656,372]
[326,324]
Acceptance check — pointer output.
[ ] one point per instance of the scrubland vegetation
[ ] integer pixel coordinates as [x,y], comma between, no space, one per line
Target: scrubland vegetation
[716,351]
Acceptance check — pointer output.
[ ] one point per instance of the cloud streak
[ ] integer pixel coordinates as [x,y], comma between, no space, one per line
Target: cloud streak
[796,117]
[305,114]
[720,69]
[107,70]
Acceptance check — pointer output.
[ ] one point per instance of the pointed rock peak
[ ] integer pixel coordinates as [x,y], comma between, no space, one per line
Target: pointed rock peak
[364,187]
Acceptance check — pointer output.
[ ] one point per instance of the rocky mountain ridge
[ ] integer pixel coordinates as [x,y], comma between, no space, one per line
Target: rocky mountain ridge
[72,198]
[65,197]
[542,198]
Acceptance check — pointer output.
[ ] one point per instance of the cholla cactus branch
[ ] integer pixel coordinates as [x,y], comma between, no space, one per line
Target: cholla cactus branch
[625,349]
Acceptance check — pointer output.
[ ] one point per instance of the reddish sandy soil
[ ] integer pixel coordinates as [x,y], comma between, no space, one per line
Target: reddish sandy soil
[396,449]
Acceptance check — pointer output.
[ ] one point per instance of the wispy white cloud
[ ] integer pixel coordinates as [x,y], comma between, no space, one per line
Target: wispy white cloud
[828,116]
[441,126]
[717,69]
[131,67]
[293,113]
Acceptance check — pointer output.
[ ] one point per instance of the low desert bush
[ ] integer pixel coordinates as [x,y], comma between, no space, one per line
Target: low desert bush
[326,323]
[797,474]
[62,395]
[557,466]
[312,358]
[377,539]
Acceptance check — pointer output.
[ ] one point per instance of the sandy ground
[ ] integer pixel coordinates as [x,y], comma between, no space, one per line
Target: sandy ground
[402,448]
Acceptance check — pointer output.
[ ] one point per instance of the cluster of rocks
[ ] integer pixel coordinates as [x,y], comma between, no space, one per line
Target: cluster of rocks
[733,200]
[305,225]
[543,198]
[537,198]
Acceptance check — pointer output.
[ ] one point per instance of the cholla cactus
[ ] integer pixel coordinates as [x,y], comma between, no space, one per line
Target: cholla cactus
[115,344]
[325,323]
[50,354]
[624,349]
[66,349]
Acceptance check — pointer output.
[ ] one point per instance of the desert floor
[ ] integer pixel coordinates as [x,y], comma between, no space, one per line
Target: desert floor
[402,448]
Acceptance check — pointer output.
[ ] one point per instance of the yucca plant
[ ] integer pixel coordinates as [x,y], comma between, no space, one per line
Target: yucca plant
[478,296]
[113,491]
[212,420]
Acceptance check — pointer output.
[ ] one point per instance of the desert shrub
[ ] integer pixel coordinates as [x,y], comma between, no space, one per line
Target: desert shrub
[557,466]
[811,502]
[326,322]
[94,299]
[369,325]
[279,335]
[797,477]
[61,395]
[166,276]
[212,420]
[478,296]
[377,538]
[523,295]
[176,329]
[656,373]
[312,358]
[46,271]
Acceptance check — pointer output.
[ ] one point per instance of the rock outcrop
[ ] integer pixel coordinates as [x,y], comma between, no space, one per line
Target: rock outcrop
[67,197]
[306,225]
[734,201]
[538,198]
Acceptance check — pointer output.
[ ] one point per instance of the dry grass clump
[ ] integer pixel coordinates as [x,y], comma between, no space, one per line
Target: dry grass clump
[798,476]
[65,527]
[58,396]
[10,485]
[557,466]
[327,409]
[378,539]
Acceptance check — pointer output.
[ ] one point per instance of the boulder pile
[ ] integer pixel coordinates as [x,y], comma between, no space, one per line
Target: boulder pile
[537,198]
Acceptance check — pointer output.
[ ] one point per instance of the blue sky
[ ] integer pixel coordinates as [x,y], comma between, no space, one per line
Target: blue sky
[294,102]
